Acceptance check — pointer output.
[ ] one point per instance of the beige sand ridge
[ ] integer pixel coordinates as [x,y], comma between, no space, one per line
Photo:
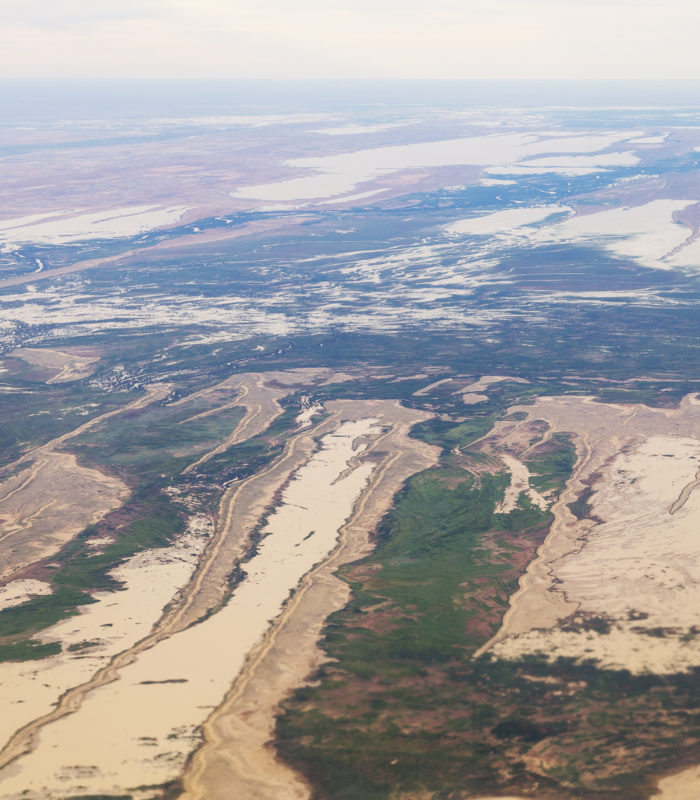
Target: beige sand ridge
[473,392]
[50,501]
[430,387]
[683,785]
[474,398]
[486,380]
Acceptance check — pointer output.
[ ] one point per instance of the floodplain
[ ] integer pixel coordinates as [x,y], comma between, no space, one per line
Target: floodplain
[350,454]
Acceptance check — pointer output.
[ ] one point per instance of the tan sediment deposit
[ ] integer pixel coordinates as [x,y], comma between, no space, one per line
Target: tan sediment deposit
[21,590]
[473,393]
[473,398]
[237,754]
[207,656]
[519,482]
[430,387]
[102,629]
[486,380]
[681,786]
[70,364]
[622,584]
[47,504]
[303,419]
[418,376]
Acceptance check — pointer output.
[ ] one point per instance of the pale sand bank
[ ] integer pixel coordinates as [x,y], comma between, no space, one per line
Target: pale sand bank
[430,387]
[660,139]
[303,419]
[649,233]
[71,364]
[474,398]
[631,562]
[328,176]
[65,227]
[519,482]
[19,591]
[681,786]
[503,221]
[486,380]
[102,629]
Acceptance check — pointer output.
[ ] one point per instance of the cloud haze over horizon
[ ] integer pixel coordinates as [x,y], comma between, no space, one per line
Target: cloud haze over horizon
[460,39]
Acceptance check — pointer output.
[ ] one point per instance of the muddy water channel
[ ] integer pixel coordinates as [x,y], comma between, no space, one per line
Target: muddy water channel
[138,731]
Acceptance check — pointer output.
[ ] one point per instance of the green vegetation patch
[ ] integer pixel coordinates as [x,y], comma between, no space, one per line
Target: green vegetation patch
[157,439]
[446,434]
[551,463]
[28,650]
[395,709]
[42,413]
[404,707]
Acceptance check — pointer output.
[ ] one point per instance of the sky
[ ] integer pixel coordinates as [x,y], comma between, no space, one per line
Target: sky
[388,39]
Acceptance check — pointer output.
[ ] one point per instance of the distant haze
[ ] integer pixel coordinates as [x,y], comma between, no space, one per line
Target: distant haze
[349,39]
[47,100]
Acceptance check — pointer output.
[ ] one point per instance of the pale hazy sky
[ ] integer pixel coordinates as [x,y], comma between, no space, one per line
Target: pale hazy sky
[464,39]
